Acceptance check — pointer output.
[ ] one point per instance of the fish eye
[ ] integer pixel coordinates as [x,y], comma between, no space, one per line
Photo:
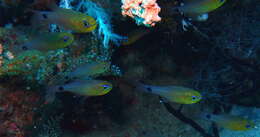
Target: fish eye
[106,87]
[24,48]
[66,38]
[194,98]
[85,23]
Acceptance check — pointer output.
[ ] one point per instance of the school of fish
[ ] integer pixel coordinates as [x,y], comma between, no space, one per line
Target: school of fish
[76,22]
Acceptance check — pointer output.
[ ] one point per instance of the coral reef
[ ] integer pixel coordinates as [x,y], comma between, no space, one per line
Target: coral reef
[17,112]
[219,58]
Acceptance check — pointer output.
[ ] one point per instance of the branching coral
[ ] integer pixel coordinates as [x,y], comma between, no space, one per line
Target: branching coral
[105,30]
[142,11]
[65,4]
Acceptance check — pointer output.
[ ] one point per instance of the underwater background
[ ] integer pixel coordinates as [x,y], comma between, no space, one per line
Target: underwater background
[129,68]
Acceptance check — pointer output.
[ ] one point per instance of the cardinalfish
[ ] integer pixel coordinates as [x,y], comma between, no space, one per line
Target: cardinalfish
[47,41]
[177,94]
[231,122]
[90,69]
[196,8]
[81,87]
[67,19]
[134,36]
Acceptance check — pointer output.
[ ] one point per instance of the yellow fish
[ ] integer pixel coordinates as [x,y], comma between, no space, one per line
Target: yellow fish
[90,69]
[199,7]
[47,41]
[87,87]
[72,20]
[135,35]
[231,122]
[177,94]
[81,87]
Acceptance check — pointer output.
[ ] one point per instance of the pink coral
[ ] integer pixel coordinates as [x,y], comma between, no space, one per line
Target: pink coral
[143,11]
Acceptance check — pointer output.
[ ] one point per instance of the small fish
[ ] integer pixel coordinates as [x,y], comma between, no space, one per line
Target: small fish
[231,122]
[66,18]
[87,87]
[177,94]
[134,36]
[200,6]
[198,9]
[90,69]
[81,87]
[47,41]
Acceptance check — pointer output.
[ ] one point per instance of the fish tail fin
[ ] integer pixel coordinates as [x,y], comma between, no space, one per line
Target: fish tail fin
[208,116]
[135,84]
[40,15]
[40,19]
[141,86]
[17,49]
[205,115]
